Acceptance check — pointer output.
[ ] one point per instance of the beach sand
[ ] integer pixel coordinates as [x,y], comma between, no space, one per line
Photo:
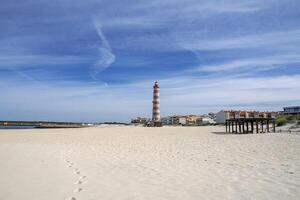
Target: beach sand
[147,163]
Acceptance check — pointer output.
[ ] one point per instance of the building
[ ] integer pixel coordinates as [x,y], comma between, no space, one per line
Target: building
[156,103]
[165,120]
[174,120]
[223,115]
[199,121]
[156,106]
[140,121]
[155,121]
[291,110]
[188,120]
[192,120]
[207,121]
[212,115]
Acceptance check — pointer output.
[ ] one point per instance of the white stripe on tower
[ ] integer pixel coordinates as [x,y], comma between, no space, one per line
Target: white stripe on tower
[156,105]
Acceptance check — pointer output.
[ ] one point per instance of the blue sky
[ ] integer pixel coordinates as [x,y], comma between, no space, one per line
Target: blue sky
[97,60]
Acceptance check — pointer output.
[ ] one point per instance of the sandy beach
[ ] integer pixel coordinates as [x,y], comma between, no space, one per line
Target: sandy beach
[147,163]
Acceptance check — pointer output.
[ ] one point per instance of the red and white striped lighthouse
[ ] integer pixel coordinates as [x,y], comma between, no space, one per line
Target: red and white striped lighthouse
[156,103]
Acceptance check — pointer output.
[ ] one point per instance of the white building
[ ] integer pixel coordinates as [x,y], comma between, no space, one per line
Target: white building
[222,116]
[236,114]
[174,120]
[292,110]
[207,120]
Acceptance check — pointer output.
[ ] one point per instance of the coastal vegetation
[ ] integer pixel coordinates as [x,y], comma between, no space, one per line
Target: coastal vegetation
[289,119]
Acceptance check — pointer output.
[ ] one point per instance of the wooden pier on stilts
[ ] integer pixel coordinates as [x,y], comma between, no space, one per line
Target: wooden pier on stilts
[250,125]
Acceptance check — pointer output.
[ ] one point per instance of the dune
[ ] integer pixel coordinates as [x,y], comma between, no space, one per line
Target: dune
[147,163]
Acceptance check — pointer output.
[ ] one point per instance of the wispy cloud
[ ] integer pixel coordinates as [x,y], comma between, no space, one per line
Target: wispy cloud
[213,94]
[208,7]
[238,7]
[275,61]
[36,60]
[106,56]
[283,38]
[75,101]
[157,14]
[207,55]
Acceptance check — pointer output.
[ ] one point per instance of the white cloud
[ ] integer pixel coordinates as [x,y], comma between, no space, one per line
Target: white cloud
[171,25]
[158,13]
[131,21]
[106,57]
[191,41]
[212,6]
[179,95]
[38,60]
[193,95]
[257,62]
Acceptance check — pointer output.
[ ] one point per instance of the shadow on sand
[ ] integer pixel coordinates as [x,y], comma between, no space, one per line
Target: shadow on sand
[229,133]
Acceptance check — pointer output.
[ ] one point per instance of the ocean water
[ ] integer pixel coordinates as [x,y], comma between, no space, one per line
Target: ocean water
[16,127]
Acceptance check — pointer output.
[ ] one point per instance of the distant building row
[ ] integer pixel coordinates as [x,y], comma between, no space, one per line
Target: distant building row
[187,120]
[183,120]
[236,114]
[219,118]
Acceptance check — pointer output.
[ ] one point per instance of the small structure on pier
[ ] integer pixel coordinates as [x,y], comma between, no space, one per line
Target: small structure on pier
[250,125]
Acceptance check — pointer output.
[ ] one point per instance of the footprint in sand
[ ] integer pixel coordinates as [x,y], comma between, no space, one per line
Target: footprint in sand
[78,190]
[289,172]
[70,164]
[78,182]
[71,198]
[76,172]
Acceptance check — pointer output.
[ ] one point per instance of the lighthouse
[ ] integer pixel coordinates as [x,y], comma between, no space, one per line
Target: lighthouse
[156,105]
